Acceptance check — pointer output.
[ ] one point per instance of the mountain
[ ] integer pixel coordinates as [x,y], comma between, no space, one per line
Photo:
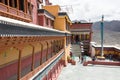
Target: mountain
[111,32]
[108,25]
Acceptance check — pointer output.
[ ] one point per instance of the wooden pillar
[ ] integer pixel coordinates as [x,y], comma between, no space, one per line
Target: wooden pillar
[8,3]
[19,65]
[31,9]
[59,45]
[41,54]
[13,4]
[107,52]
[3,1]
[47,51]
[33,56]
[18,7]
[57,68]
[25,6]
[55,71]
[50,75]
[18,4]
[63,43]
[51,49]
[55,47]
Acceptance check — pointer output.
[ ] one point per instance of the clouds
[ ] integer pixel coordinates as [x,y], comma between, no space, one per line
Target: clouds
[92,9]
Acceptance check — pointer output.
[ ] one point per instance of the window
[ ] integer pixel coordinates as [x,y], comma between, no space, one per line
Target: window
[30,8]
[13,3]
[52,23]
[67,26]
[82,37]
[47,20]
[44,58]
[4,1]
[21,6]
[37,5]
[67,40]
[88,37]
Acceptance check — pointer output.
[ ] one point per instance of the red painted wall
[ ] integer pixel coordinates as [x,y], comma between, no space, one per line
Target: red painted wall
[34,15]
[81,26]
[8,71]
[12,69]
[37,56]
[41,20]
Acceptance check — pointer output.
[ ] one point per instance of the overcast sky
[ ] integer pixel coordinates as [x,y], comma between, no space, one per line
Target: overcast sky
[92,9]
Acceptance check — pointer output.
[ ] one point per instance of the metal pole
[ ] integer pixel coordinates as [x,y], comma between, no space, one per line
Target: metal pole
[102,35]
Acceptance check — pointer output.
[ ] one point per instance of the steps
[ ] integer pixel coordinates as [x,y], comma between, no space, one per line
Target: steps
[75,49]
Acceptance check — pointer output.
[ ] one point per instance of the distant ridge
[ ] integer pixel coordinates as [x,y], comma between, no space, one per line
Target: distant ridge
[108,25]
[111,32]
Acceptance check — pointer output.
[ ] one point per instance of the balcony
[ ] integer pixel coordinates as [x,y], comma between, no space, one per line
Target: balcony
[14,13]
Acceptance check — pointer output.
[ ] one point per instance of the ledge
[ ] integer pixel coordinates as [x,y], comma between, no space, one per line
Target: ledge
[14,13]
[101,63]
[14,27]
[45,12]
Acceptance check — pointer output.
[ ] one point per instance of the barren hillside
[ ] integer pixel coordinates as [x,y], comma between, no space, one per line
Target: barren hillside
[111,32]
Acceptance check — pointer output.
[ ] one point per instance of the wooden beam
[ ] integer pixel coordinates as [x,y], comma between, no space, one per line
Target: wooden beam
[13,3]
[41,54]
[47,51]
[31,10]
[18,4]
[51,49]
[17,7]
[27,7]
[33,57]
[8,3]
[3,1]
[19,65]
[24,5]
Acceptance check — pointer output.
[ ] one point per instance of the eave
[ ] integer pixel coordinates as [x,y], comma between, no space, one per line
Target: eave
[46,13]
[18,28]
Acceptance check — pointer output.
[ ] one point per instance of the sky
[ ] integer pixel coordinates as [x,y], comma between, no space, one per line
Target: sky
[91,10]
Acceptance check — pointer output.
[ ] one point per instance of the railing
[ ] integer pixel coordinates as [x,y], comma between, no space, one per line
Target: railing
[102,63]
[14,13]
[39,72]
[48,67]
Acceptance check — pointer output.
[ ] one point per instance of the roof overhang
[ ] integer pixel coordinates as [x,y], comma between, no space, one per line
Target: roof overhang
[46,13]
[32,29]
[65,15]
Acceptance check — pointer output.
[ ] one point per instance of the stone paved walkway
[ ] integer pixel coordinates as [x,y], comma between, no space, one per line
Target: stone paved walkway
[91,72]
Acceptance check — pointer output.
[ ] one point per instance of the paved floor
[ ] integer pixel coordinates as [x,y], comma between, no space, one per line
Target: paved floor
[90,72]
